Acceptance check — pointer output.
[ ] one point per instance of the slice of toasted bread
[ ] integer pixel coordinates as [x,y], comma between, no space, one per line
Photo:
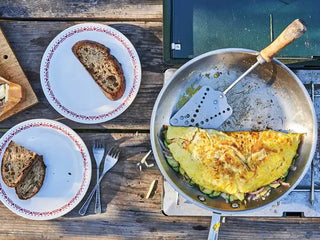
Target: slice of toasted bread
[32,180]
[102,66]
[11,96]
[16,159]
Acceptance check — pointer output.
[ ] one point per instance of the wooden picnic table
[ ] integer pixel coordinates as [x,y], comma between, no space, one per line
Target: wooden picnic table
[29,27]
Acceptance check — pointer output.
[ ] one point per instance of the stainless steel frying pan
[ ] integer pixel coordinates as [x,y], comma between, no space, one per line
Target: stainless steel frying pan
[271,97]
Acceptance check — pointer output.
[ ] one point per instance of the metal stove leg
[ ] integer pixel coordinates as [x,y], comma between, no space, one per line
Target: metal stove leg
[214,226]
[312,163]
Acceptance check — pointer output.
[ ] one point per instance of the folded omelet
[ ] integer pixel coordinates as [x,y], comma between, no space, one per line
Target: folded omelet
[232,162]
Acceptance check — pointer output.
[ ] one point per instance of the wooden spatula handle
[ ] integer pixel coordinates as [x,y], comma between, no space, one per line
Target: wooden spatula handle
[295,30]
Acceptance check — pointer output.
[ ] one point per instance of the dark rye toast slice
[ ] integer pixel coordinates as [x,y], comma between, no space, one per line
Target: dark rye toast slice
[32,180]
[16,159]
[103,67]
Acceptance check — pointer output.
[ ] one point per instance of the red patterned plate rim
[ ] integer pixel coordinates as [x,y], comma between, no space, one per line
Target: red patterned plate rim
[45,68]
[75,138]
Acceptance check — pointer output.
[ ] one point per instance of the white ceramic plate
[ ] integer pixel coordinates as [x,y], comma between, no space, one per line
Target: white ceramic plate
[71,90]
[68,169]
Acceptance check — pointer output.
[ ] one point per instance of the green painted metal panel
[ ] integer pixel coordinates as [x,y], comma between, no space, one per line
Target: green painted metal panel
[195,27]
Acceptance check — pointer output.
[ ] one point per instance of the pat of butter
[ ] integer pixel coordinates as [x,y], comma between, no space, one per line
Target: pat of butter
[4,91]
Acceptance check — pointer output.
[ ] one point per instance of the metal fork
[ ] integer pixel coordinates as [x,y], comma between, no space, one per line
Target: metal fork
[98,153]
[110,160]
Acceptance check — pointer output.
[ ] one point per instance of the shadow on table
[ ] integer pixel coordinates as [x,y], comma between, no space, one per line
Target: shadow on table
[147,44]
[112,180]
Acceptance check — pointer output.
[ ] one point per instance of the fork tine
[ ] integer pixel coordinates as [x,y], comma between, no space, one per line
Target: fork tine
[118,153]
[110,151]
[115,153]
[96,143]
[99,143]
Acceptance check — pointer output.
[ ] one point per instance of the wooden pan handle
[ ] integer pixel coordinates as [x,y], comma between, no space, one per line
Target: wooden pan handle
[295,30]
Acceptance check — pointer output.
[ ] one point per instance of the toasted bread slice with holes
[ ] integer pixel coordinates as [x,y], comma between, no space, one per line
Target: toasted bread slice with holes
[102,66]
[10,95]
[16,159]
[32,180]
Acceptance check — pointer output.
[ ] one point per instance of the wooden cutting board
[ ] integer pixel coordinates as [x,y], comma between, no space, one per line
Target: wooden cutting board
[11,70]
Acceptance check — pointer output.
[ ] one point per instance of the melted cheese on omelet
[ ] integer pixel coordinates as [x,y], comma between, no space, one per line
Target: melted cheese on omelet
[232,162]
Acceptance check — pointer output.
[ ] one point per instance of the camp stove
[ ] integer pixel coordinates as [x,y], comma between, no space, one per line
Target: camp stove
[191,28]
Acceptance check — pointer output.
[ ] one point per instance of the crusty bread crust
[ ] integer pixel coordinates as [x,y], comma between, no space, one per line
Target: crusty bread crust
[6,164]
[113,73]
[14,95]
[38,168]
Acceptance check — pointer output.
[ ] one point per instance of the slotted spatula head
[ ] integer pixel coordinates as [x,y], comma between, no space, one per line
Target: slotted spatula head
[206,109]
[209,108]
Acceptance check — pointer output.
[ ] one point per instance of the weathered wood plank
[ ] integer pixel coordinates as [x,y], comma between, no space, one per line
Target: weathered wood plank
[30,39]
[127,214]
[146,37]
[92,9]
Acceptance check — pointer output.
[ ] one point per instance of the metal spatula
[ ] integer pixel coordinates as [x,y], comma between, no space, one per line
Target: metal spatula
[209,108]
